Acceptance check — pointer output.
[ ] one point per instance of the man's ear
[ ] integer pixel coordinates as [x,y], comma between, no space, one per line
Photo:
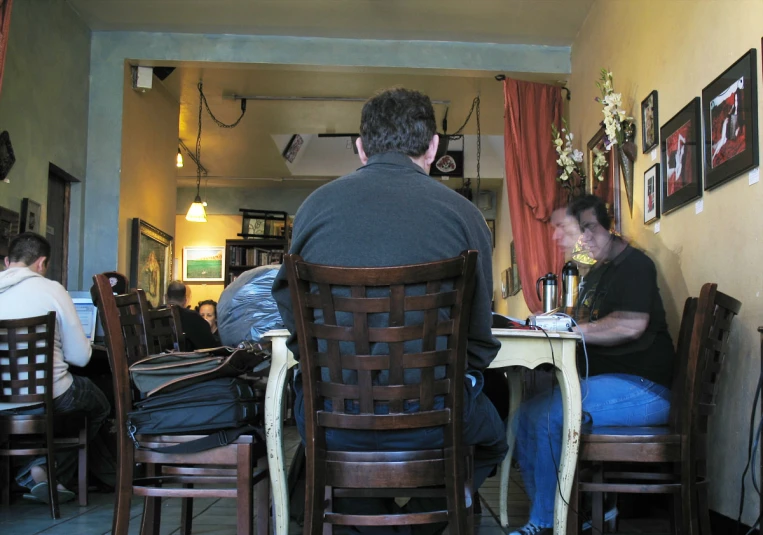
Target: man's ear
[7,262]
[361,152]
[431,152]
[40,264]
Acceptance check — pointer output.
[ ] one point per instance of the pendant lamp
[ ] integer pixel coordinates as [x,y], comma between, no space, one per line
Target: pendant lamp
[196,212]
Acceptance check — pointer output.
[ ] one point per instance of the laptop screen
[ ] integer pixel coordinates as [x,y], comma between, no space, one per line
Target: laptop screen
[86,311]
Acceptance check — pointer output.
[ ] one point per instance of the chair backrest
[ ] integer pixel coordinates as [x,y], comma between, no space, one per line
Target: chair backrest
[682,358]
[706,350]
[133,312]
[26,365]
[165,331]
[363,333]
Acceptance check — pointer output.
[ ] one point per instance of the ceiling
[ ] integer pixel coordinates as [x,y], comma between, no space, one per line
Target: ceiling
[251,152]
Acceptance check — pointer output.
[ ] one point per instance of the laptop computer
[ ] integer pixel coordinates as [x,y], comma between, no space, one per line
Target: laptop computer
[86,311]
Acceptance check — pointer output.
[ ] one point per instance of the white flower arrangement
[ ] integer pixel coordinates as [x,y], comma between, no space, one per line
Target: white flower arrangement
[570,160]
[618,125]
[599,164]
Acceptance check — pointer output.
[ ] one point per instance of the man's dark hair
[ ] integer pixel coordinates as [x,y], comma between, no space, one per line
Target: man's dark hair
[176,292]
[397,120]
[27,248]
[590,202]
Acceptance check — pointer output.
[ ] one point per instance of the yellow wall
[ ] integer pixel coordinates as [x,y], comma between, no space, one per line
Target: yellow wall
[149,176]
[214,232]
[678,47]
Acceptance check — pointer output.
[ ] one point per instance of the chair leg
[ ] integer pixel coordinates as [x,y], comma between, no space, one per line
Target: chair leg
[703,512]
[82,466]
[186,512]
[597,505]
[328,505]
[315,485]
[5,473]
[52,479]
[573,521]
[123,490]
[152,506]
[244,490]
[263,500]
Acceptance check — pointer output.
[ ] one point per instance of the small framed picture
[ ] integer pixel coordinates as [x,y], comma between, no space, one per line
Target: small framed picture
[652,194]
[491,226]
[730,114]
[650,122]
[31,216]
[292,148]
[505,278]
[203,264]
[681,150]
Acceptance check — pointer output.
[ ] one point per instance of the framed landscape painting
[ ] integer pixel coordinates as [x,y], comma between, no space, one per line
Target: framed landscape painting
[203,264]
[681,150]
[730,114]
[150,260]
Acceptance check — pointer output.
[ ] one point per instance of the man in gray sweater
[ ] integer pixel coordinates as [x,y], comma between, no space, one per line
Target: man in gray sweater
[390,213]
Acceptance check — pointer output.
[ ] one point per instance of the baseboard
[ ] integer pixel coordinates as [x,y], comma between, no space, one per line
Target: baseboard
[723,525]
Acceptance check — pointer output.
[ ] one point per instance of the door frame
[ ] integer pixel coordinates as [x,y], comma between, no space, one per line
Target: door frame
[67,179]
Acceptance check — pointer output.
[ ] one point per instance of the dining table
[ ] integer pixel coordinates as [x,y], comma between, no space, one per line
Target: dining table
[520,349]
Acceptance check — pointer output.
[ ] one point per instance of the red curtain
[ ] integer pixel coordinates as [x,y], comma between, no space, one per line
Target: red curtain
[529,111]
[5,24]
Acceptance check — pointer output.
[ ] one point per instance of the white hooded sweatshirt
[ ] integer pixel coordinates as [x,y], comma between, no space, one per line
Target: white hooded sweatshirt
[25,294]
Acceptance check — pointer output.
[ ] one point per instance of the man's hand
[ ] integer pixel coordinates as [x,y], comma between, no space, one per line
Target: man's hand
[615,328]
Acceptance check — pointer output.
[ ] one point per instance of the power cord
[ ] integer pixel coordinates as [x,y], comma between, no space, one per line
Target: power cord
[752,449]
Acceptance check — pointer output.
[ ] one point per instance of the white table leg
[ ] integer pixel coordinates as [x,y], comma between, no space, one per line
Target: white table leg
[279,368]
[569,385]
[515,398]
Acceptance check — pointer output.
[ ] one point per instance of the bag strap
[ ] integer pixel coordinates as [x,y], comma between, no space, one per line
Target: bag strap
[214,440]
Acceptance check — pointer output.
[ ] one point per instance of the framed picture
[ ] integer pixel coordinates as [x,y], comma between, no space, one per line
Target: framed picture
[7,156]
[652,194]
[150,260]
[514,284]
[31,216]
[203,264]
[681,151]
[449,164]
[9,227]
[505,283]
[491,226]
[608,188]
[730,115]
[650,122]
[292,148]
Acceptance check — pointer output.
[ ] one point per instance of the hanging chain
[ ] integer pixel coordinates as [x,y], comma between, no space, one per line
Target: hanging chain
[479,143]
[198,145]
[215,119]
[475,104]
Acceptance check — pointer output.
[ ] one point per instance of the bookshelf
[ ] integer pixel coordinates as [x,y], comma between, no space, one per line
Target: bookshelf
[264,238]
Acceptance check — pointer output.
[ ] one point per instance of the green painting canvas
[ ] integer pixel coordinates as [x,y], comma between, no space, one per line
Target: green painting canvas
[203,264]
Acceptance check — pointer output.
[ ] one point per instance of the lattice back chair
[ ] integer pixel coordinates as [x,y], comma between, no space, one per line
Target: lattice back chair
[361,332]
[26,376]
[165,330]
[132,309]
[224,472]
[679,449]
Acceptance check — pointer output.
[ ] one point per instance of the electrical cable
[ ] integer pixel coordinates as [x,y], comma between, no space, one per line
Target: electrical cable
[751,444]
[221,124]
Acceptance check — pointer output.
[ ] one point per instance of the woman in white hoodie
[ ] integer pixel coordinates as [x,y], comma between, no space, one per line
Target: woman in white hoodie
[24,293]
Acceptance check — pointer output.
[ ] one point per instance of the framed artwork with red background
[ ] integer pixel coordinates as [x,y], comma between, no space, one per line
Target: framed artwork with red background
[681,150]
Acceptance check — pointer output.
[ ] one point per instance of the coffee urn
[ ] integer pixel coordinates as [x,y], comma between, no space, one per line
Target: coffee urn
[550,295]
[570,284]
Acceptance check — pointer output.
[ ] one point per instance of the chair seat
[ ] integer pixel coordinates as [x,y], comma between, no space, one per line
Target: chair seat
[630,434]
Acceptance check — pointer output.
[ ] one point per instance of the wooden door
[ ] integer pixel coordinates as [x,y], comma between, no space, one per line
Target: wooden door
[57,223]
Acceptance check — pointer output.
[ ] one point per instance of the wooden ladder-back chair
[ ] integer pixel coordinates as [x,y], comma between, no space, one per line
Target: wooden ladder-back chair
[677,451]
[26,376]
[226,472]
[337,309]
[166,331]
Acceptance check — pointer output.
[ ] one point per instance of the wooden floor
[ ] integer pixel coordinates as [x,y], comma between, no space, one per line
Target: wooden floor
[218,517]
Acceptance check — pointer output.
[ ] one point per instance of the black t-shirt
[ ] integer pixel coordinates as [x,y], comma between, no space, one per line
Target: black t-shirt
[628,284]
[198,333]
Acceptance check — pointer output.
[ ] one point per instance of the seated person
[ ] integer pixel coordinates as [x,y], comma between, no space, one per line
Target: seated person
[198,334]
[630,359]
[26,293]
[207,309]
[403,217]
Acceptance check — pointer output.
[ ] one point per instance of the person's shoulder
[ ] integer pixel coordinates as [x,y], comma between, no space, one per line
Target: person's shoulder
[637,261]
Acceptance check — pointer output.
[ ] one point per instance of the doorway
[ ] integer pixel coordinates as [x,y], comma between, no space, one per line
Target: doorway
[57,225]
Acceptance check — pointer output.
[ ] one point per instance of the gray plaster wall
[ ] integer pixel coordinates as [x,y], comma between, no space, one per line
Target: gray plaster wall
[44,107]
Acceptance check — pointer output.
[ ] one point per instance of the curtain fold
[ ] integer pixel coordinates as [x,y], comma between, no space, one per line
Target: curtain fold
[529,111]
[5,24]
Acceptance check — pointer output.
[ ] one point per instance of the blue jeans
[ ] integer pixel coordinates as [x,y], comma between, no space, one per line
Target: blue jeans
[82,397]
[609,400]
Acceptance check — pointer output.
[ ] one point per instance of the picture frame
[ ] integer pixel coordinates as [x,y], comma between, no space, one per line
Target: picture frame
[607,189]
[652,194]
[150,260]
[730,118]
[9,227]
[7,156]
[491,226]
[292,148]
[204,264]
[515,285]
[450,164]
[505,283]
[31,216]
[650,123]
[681,157]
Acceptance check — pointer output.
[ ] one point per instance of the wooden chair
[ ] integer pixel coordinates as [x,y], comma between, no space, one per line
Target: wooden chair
[26,376]
[346,297]
[166,330]
[227,471]
[675,454]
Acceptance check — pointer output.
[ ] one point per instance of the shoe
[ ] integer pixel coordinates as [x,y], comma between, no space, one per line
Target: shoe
[608,516]
[532,529]
[39,493]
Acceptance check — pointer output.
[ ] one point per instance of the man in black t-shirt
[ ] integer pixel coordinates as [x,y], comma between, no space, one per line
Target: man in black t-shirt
[629,371]
[198,334]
